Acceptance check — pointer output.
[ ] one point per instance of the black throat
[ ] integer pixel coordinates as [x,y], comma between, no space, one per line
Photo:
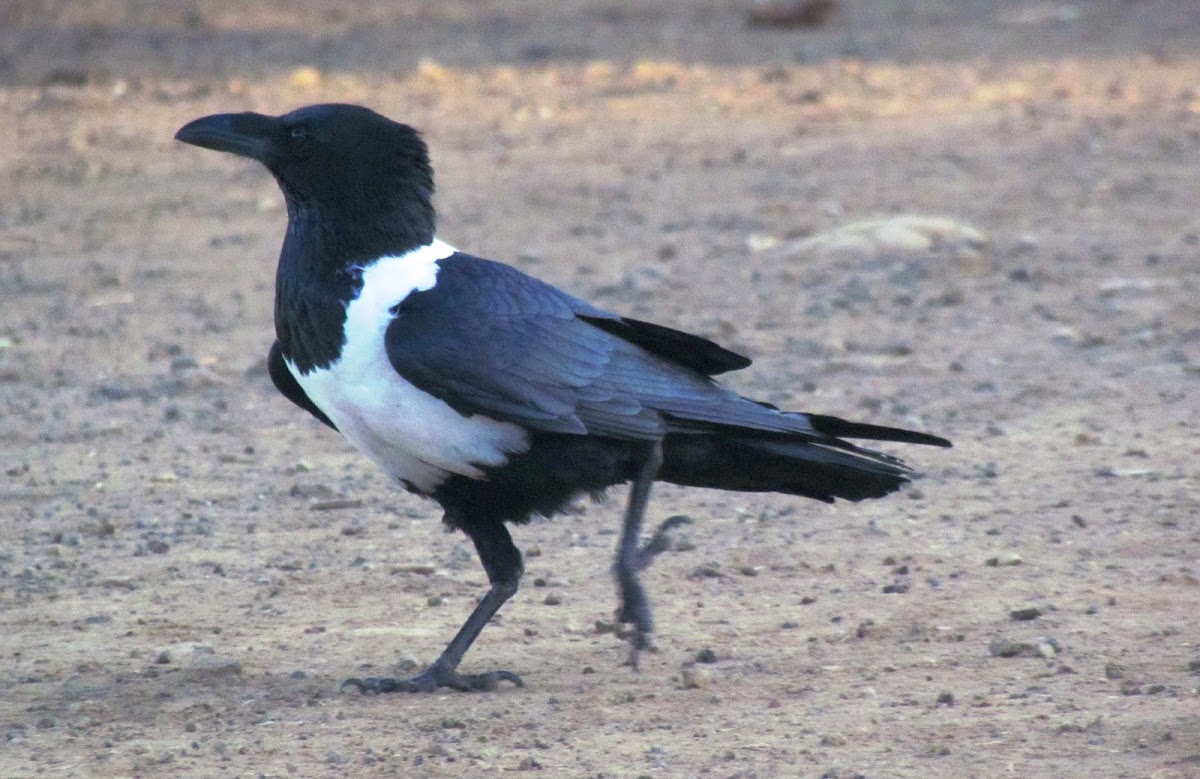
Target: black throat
[324,251]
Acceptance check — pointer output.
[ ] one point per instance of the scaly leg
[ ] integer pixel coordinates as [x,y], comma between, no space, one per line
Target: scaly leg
[502,561]
[635,608]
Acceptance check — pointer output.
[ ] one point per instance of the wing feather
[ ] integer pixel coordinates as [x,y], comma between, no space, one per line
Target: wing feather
[490,340]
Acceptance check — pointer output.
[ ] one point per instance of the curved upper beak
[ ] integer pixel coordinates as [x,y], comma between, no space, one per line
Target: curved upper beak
[247,134]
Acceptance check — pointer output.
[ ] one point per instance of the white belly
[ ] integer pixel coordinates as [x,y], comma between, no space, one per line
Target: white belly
[412,435]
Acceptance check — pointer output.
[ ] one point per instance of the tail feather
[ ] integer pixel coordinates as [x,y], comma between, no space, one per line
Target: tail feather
[840,428]
[814,463]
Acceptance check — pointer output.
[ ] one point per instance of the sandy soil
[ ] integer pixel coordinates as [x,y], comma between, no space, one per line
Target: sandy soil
[189,566]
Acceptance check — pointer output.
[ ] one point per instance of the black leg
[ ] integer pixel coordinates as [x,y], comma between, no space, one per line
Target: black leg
[635,608]
[502,561]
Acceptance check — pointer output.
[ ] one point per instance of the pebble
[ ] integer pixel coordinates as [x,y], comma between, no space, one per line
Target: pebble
[898,237]
[306,77]
[709,570]
[695,677]
[1004,648]
[420,569]
[790,13]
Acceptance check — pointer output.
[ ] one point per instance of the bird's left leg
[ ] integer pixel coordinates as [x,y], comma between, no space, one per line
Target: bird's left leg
[635,607]
[502,561]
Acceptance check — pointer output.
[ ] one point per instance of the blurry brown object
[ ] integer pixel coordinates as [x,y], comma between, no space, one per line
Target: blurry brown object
[790,13]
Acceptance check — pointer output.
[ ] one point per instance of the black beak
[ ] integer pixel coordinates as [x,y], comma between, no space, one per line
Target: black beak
[249,135]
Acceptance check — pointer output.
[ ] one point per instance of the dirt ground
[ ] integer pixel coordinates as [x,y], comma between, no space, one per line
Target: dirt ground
[189,566]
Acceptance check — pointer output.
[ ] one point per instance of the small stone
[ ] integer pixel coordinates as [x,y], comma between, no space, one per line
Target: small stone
[1025,614]
[1047,649]
[207,668]
[432,70]
[418,569]
[706,656]
[1005,648]
[306,77]
[790,13]
[709,570]
[695,677]
[757,244]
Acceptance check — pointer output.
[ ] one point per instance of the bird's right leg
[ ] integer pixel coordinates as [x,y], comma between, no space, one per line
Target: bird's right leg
[635,607]
[502,561]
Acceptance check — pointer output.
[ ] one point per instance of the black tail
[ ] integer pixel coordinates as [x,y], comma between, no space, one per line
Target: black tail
[820,465]
[840,428]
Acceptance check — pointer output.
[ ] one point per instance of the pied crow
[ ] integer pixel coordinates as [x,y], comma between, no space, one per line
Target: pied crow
[491,392]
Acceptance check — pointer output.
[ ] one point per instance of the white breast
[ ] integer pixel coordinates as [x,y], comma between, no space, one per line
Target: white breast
[412,435]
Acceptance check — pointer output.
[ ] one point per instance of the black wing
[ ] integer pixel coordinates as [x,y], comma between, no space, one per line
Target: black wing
[286,383]
[699,354]
[490,340]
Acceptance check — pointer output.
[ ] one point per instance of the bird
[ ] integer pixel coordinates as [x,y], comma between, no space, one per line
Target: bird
[493,393]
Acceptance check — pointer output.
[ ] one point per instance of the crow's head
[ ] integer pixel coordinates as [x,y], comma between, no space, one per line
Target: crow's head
[321,154]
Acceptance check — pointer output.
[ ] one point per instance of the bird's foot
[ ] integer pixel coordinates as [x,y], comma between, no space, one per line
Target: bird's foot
[434,678]
[635,606]
[635,611]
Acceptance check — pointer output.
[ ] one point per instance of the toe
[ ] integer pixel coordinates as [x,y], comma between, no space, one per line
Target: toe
[433,679]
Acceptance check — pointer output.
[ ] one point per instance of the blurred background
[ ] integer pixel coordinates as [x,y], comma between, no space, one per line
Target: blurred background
[52,40]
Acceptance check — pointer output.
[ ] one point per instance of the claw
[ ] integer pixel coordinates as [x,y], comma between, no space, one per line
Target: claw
[660,541]
[432,679]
